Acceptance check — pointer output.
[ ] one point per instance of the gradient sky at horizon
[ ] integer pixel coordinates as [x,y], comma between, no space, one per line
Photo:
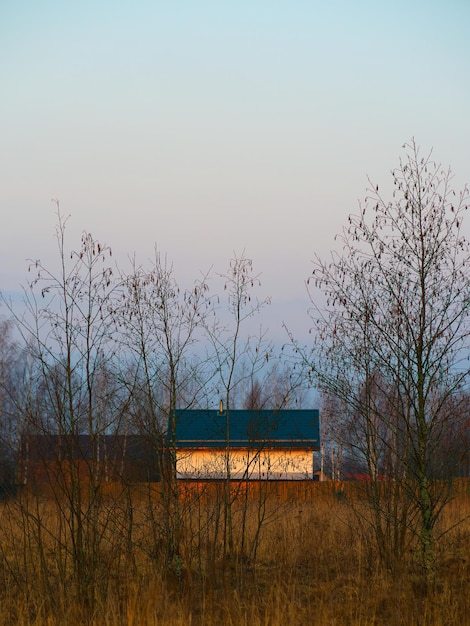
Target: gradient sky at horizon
[208,127]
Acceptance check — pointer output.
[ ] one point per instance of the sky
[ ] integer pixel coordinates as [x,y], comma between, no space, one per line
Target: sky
[215,128]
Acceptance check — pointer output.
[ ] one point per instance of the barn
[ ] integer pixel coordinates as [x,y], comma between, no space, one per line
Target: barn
[46,458]
[247,444]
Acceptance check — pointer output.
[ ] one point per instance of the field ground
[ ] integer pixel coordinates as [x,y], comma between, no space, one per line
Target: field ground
[301,556]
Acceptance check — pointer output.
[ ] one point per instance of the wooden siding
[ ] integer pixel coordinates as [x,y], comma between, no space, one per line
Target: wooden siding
[245,464]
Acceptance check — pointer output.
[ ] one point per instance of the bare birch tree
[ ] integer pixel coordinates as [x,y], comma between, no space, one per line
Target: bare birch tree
[67,328]
[159,324]
[391,340]
[239,355]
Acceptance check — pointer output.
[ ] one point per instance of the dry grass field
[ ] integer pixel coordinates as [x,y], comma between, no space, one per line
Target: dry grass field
[300,559]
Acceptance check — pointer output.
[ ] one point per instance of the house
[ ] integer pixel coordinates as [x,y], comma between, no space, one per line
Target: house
[320,476]
[47,458]
[247,444]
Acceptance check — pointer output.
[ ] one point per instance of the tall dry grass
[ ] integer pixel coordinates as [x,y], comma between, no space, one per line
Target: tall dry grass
[312,565]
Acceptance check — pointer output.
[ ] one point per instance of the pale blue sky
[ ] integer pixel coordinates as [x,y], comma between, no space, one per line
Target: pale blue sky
[208,127]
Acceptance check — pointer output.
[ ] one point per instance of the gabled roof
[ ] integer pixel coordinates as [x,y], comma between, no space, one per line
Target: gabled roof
[248,428]
[53,447]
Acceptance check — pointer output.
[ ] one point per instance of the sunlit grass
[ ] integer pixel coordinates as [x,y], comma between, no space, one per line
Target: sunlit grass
[311,566]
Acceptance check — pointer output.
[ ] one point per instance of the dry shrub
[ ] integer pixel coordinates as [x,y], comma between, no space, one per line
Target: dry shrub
[312,565]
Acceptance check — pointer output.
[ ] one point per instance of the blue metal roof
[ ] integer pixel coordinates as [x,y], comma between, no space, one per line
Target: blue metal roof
[254,428]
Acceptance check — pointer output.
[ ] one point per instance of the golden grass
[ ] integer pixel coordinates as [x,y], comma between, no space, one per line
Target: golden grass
[312,566]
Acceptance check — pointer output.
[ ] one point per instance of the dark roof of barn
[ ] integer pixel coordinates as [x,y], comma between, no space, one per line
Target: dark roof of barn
[248,428]
[55,447]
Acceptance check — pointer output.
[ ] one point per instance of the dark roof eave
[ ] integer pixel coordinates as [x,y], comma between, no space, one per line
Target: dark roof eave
[221,445]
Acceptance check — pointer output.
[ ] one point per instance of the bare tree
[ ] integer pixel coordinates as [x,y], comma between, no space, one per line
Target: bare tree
[160,324]
[13,360]
[390,341]
[239,356]
[67,328]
